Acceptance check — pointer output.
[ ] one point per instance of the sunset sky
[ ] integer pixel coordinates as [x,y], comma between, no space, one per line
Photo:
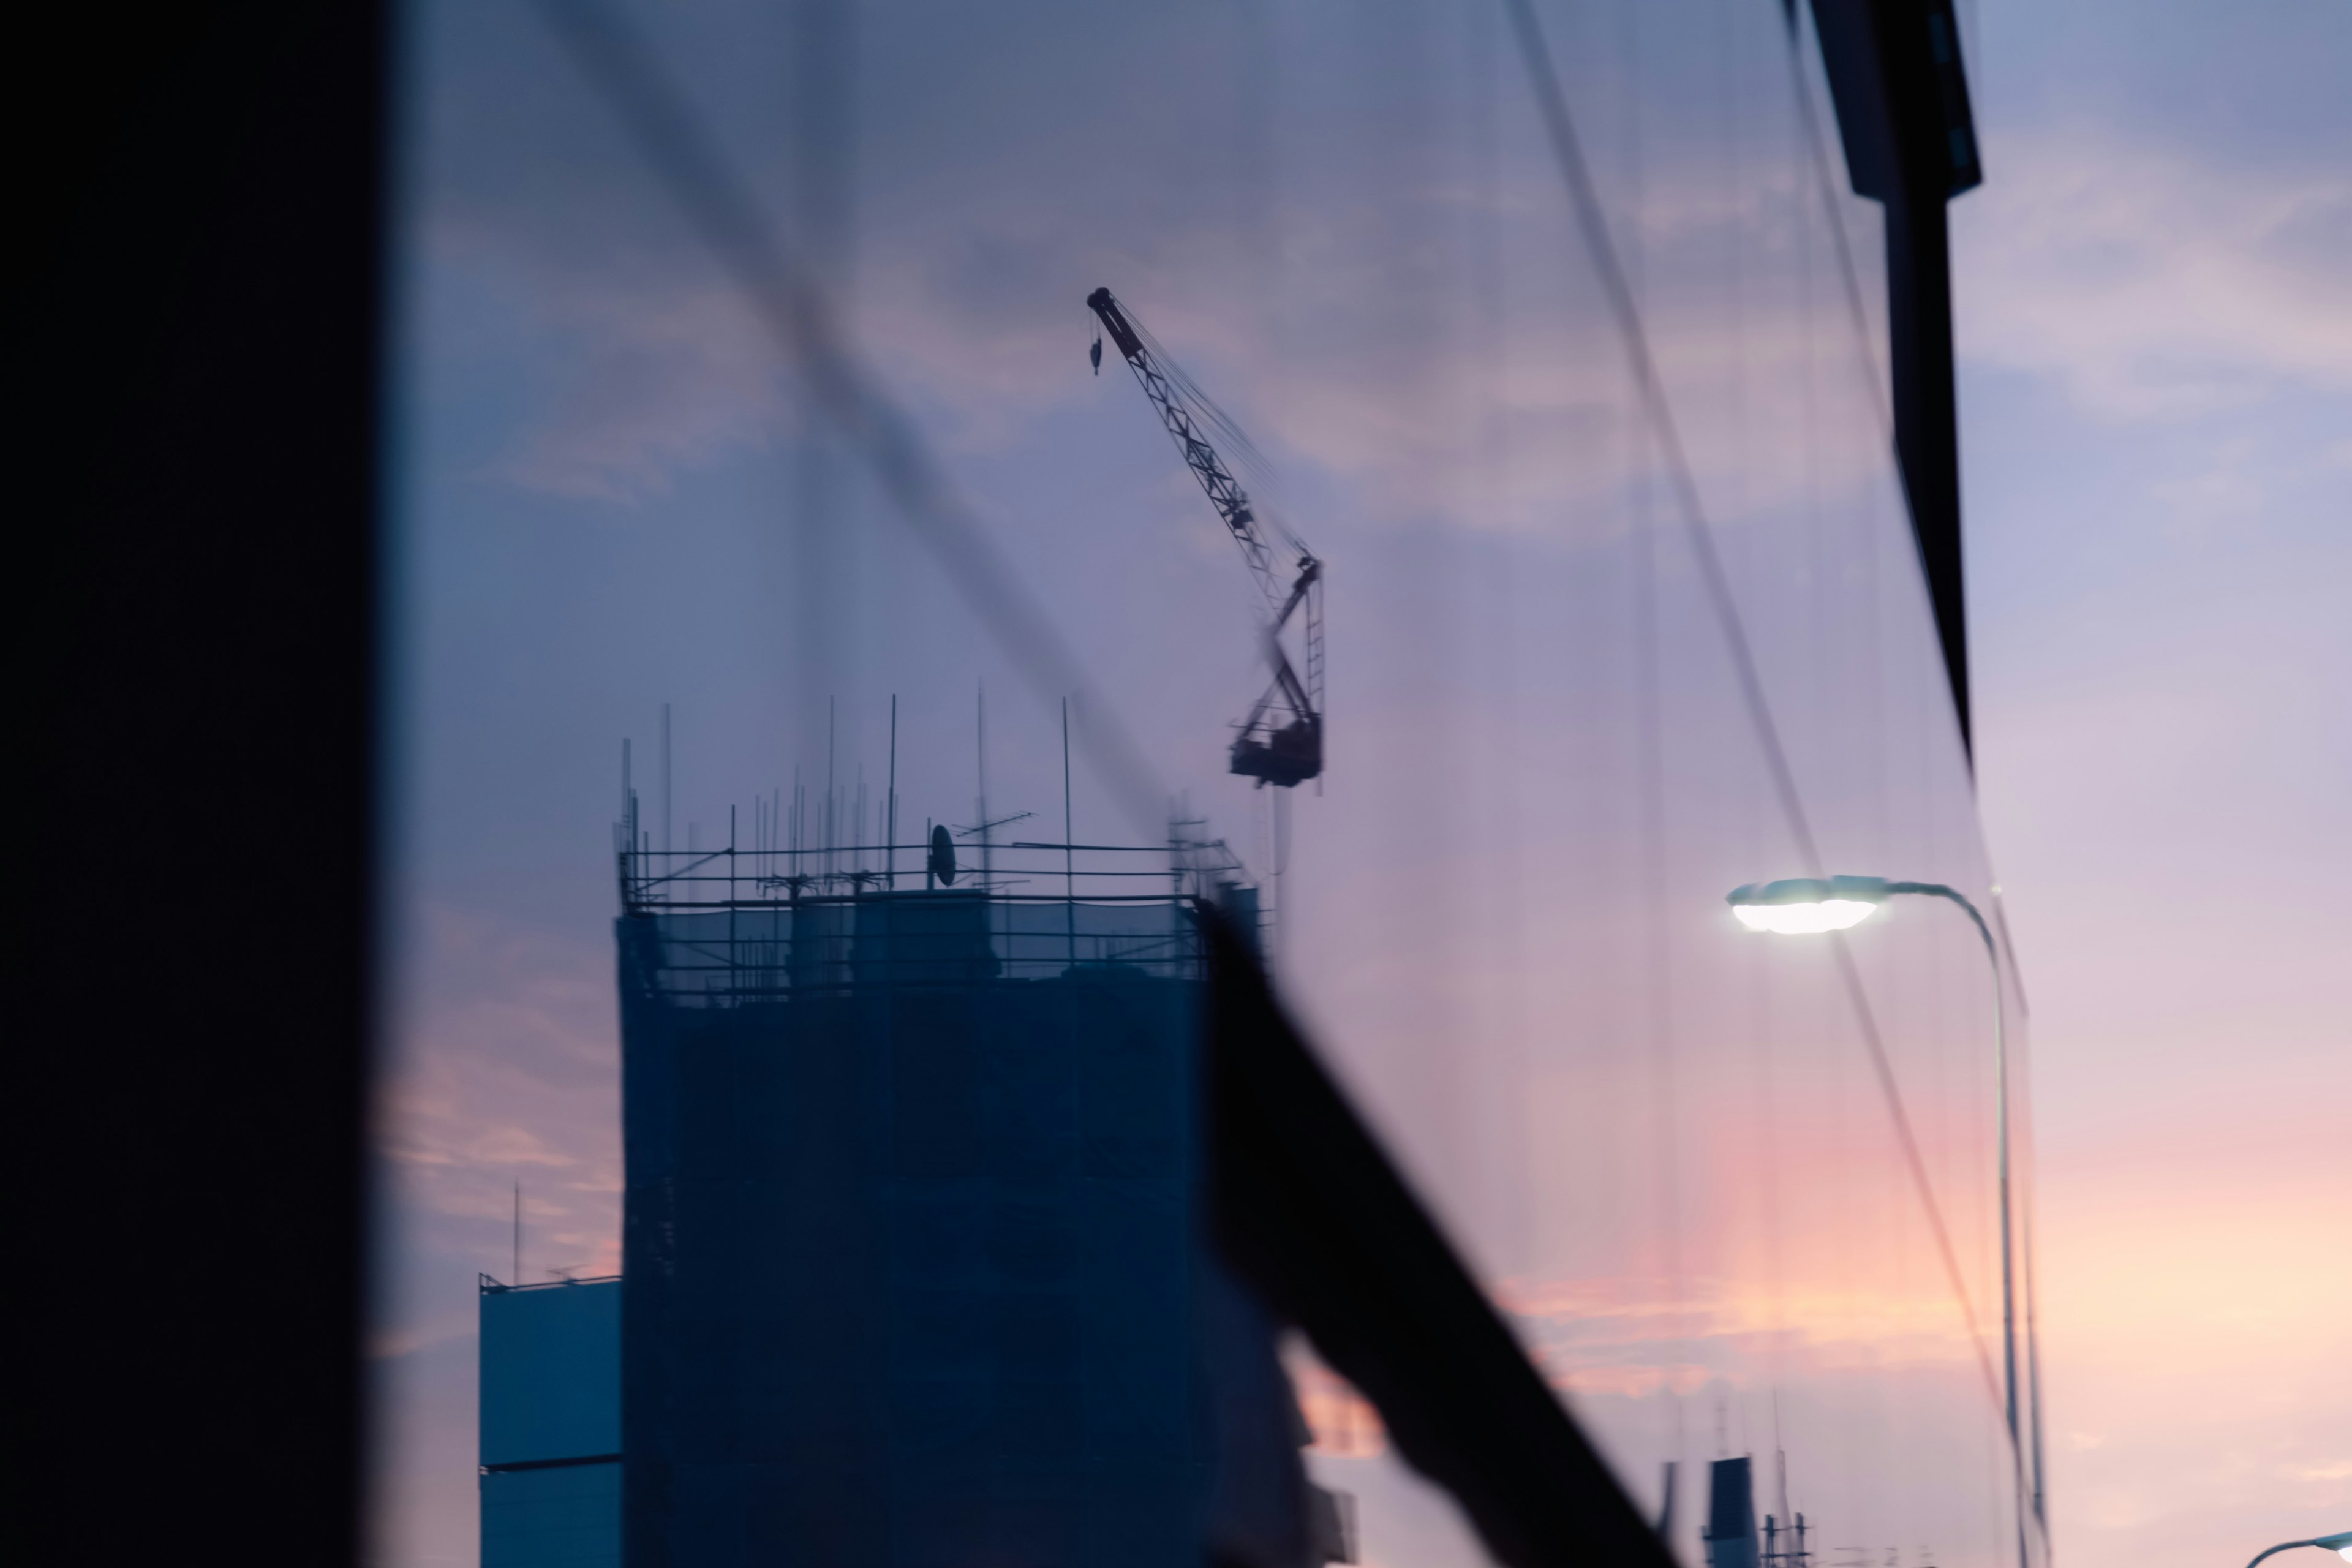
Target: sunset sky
[2155,332]
[2156,340]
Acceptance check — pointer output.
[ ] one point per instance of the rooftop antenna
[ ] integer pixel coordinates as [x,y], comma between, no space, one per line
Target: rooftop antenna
[666,839]
[828,785]
[890,825]
[1069,838]
[1781,1458]
[987,860]
[518,1194]
[625,832]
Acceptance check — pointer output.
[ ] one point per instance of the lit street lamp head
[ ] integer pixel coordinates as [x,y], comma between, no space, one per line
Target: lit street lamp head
[2339,1543]
[1806,906]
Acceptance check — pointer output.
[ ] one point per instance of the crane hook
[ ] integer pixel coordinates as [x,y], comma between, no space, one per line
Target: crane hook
[1094,353]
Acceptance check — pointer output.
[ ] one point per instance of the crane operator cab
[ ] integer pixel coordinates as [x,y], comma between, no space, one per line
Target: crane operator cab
[1283,755]
[1281,742]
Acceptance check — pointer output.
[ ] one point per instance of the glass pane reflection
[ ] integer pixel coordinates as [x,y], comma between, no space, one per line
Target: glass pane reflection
[1736,1193]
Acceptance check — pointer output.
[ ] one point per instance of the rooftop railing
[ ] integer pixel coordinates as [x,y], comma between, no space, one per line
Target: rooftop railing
[732,927]
[1023,871]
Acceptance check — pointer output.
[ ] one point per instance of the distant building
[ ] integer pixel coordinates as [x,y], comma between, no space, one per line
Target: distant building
[551,1424]
[1731,1514]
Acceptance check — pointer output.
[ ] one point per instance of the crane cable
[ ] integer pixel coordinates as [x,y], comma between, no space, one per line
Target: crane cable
[1236,445]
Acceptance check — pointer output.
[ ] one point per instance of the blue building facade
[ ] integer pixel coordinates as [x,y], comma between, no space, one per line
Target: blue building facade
[1731,1514]
[551,1424]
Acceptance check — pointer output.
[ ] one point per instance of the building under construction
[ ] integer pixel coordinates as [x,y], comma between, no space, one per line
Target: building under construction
[910,1260]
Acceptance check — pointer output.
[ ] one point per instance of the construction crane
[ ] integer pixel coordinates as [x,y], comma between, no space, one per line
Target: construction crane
[1281,742]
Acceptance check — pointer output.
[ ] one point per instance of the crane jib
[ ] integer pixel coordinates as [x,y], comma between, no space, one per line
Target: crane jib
[1281,741]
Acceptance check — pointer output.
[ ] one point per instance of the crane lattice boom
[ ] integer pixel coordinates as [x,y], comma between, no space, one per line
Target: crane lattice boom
[1281,742]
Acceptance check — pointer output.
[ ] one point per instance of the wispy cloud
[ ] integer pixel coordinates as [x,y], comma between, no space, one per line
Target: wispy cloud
[506,1073]
[2154,283]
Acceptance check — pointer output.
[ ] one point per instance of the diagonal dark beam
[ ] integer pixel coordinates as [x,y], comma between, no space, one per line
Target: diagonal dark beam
[1901,91]
[1306,1207]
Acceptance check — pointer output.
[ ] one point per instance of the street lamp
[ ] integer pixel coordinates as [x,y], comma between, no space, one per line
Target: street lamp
[2341,1544]
[1808,906]
[1805,906]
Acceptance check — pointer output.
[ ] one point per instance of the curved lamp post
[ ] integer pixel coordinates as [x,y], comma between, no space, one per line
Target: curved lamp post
[1807,906]
[2341,1544]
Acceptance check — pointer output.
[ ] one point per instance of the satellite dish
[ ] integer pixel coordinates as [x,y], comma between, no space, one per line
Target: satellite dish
[942,861]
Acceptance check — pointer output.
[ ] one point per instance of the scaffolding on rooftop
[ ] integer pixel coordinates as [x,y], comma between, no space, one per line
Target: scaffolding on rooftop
[733,926]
